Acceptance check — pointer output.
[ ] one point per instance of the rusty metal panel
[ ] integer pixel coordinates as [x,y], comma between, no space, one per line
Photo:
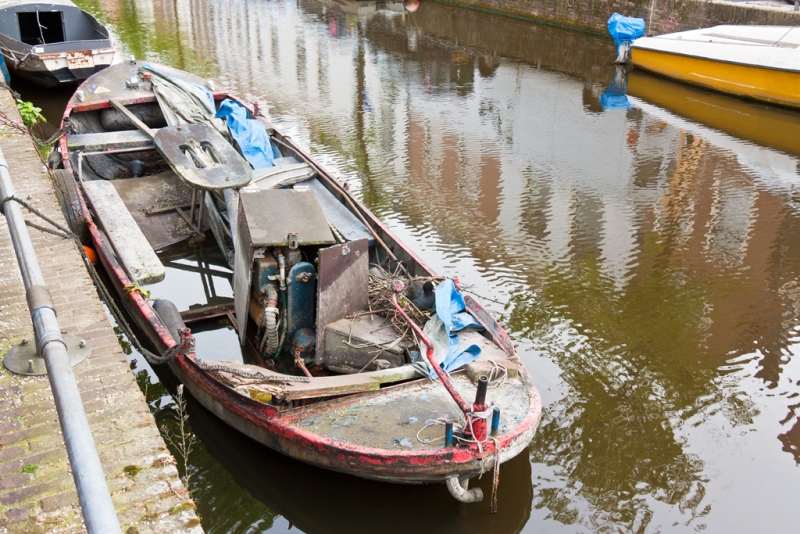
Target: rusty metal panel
[242,274]
[80,59]
[343,285]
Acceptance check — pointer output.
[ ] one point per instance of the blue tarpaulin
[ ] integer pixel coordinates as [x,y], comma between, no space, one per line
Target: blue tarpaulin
[4,70]
[452,318]
[614,97]
[250,134]
[625,29]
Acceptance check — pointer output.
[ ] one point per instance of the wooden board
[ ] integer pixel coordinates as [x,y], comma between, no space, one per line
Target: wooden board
[325,386]
[149,194]
[123,139]
[133,250]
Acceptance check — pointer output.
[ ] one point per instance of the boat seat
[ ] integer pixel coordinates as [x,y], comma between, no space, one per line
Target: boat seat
[123,139]
[133,250]
[365,342]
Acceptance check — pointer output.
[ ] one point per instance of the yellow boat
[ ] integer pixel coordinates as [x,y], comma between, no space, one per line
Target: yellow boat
[757,62]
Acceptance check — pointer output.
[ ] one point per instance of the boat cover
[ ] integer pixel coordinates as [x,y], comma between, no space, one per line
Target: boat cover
[625,29]
[184,102]
[250,134]
[443,327]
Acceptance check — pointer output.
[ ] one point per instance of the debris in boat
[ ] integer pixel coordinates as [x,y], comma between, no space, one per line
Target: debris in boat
[421,295]
[380,299]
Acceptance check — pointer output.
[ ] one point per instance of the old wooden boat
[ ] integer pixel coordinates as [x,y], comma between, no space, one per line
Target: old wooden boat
[328,378]
[755,62]
[53,42]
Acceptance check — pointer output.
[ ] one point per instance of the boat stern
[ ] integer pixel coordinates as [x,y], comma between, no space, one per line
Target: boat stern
[77,65]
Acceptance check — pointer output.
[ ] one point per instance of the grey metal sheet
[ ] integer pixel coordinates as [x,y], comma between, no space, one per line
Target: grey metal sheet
[32,5]
[337,213]
[343,285]
[271,215]
[242,273]
[178,143]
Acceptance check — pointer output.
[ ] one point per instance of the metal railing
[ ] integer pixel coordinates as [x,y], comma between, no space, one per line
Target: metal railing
[95,500]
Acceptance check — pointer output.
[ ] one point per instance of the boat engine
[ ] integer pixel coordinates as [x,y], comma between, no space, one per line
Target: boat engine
[277,231]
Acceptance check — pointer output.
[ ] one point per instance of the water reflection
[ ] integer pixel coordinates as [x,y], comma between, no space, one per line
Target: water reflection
[645,259]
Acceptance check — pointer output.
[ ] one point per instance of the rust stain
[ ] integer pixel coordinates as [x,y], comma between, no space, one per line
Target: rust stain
[80,59]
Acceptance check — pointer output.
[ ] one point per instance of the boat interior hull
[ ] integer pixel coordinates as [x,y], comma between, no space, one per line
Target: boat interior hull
[373,422]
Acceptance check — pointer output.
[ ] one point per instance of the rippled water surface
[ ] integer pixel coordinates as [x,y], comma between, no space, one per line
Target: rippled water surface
[646,259]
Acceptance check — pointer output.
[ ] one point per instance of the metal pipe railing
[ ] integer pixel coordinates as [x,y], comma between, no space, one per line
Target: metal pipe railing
[95,500]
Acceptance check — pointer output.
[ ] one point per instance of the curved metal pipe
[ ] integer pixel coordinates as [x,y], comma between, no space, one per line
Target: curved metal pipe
[459,491]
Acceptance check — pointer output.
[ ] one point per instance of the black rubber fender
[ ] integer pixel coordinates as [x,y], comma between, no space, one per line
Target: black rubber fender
[170,316]
[67,194]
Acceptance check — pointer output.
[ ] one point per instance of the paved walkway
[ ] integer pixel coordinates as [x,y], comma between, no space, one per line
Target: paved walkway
[37,492]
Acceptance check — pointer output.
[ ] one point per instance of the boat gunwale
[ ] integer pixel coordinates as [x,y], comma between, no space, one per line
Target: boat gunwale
[694,56]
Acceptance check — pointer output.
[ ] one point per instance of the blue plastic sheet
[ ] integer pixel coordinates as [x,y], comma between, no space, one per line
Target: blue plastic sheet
[249,134]
[450,308]
[625,29]
[4,70]
[614,97]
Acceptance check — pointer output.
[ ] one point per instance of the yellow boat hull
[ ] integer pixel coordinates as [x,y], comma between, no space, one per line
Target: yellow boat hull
[767,85]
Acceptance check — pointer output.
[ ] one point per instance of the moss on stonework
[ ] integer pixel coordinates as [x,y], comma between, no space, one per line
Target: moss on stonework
[163,462]
[193,522]
[131,470]
[132,530]
[150,517]
[182,507]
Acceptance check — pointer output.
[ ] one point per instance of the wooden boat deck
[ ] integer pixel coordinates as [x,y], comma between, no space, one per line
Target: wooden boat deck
[392,418]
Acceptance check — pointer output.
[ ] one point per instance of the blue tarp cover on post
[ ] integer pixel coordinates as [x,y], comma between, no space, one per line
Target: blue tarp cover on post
[250,134]
[450,308]
[624,29]
[4,70]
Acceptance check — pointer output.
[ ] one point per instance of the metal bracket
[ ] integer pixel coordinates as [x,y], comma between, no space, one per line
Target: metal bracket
[23,359]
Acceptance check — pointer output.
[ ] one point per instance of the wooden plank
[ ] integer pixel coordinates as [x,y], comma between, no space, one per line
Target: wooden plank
[206,312]
[133,118]
[328,386]
[123,139]
[145,195]
[134,251]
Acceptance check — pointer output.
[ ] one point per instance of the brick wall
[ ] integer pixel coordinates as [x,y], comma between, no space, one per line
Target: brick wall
[662,16]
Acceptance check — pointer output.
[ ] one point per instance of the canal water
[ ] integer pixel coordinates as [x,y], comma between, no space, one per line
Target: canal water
[640,242]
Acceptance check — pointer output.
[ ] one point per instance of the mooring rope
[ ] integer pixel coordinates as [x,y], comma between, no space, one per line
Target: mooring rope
[182,347]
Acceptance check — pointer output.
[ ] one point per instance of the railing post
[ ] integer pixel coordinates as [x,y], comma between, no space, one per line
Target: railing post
[95,500]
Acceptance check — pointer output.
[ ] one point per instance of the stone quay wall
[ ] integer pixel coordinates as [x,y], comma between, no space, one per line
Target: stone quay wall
[661,16]
[37,490]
